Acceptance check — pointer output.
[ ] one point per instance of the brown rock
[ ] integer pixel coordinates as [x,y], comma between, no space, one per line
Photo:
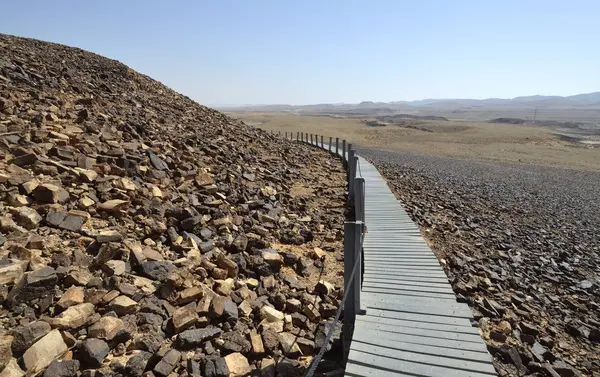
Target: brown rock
[185,317]
[114,205]
[73,296]
[238,365]
[75,316]
[43,352]
[106,328]
[123,305]
[5,350]
[49,193]
[12,369]
[27,217]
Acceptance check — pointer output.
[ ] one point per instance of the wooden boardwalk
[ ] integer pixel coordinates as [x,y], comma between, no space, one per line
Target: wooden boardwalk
[413,325]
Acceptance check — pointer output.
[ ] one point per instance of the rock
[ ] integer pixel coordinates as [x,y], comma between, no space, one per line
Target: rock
[157,270]
[93,352]
[5,349]
[136,365]
[114,205]
[27,217]
[267,367]
[123,305]
[185,317]
[74,317]
[12,369]
[49,193]
[289,346]
[318,253]
[324,288]
[257,347]
[307,347]
[196,337]
[109,236]
[529,329]
[189,294]
[166,365]
[114,267]
[221,368]
[34,285]
[237,364]
[271,314]
[62,368]
[25,336]
[11,271]
[106,328]
[73,296]
[43,352]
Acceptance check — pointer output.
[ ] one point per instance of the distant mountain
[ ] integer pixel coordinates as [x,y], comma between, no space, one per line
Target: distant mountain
[588,99]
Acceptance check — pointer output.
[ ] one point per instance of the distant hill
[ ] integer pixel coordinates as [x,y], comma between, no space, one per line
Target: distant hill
[587,99]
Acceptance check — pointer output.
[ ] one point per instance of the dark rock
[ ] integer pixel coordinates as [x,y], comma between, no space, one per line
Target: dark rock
[196,337]
[93,352]
[62,368]
[136,365]
[167,364]
[157,270]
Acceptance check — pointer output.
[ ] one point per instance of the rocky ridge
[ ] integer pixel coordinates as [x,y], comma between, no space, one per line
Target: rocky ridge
[520,246]
[145,234]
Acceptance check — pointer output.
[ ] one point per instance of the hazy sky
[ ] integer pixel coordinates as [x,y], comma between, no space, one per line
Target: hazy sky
[298,52]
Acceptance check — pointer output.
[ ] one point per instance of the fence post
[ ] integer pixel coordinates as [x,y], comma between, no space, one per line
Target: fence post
[344,152]
[330,142]
[350,174]
[337,143]
[357,282]
[297,136]
[286,134]
[322,145]
[359,199]
[349,254]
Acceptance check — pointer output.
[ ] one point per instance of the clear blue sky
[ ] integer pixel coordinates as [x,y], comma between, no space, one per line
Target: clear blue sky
[299,52]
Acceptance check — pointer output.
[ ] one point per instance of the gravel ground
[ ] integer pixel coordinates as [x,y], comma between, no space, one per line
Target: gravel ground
[519,244]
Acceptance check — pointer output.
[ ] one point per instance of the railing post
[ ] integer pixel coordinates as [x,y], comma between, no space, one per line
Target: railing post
[286,134]
[302,137]
[278,133]
[330,142]
[344,152]
[350,174]
[322,145]
[359,199]
[337,148]
[349,254]
[357,281]
[311,138]
[297,136]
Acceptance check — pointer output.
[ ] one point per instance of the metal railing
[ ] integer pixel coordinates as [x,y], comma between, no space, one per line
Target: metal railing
[354,230]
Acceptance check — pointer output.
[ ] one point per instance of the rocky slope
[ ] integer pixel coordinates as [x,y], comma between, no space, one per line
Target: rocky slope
[520,246]
[144,234]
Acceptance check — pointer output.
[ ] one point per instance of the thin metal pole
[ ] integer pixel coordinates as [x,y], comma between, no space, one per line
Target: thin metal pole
[330,142]
[297,136]
[322,145]
[344,152]
[337,143]
[350,175]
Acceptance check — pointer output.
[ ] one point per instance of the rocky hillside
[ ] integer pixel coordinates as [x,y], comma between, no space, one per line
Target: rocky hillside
[144,234]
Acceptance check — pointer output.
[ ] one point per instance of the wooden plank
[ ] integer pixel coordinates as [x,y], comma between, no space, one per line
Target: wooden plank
[408,367]
[450,360]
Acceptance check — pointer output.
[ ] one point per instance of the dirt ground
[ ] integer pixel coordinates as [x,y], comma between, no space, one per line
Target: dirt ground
[463,139]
